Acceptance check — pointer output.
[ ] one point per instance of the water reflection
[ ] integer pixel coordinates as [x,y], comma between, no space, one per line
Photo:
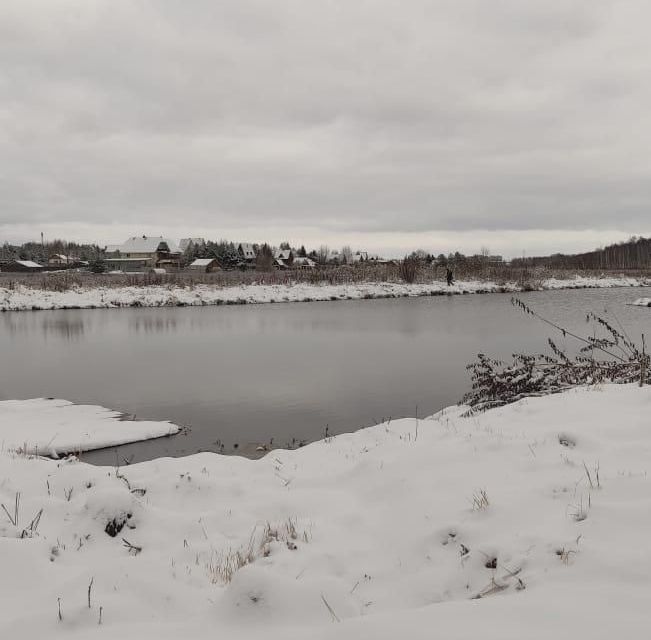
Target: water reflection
[153,324]
[68,328]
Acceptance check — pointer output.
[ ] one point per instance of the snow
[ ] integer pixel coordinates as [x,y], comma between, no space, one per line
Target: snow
[143,244]
[382,533]
[642,302]
[29,263]
[202,262]
[54,427]
[21,298]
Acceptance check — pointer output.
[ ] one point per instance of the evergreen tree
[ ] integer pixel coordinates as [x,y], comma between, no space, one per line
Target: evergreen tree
[97,265]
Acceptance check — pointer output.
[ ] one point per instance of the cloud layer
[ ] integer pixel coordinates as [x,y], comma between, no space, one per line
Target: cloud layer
[382,122]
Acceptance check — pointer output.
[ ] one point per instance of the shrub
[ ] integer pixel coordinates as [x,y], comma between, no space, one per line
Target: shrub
[612,358]
[408,268]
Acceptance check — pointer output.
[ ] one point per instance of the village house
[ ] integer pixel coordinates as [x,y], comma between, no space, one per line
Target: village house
[304,263]
[143,254]
[187,243]
[283,258]
[204,265]
[23,266]
[247,252]
[60,260]
[377,259]
[488,259]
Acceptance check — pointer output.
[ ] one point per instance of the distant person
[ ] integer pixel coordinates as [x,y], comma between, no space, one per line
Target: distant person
[449,277]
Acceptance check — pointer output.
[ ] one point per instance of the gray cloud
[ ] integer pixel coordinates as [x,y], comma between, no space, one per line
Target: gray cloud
[352,119]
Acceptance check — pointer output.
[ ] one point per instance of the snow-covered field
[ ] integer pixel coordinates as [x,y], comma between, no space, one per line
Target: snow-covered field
[52,427]
[23,298]
[529,521]
[642,302]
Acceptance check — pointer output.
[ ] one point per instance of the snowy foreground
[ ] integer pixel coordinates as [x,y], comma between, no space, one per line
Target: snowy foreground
[53,427]
[23,298]
[529,521]
[642,302]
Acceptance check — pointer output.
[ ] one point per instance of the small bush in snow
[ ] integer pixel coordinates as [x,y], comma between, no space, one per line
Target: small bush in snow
[611,358]
[480,501]
[222,566]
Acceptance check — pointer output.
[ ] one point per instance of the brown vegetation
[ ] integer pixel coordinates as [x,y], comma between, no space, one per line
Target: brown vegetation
[608,355]
[529,278]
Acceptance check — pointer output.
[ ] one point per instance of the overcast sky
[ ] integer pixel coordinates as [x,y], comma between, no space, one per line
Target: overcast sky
[523,126]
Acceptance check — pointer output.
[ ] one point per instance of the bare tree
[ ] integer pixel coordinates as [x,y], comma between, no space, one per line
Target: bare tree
[265,258]
[409,268]
[322,254]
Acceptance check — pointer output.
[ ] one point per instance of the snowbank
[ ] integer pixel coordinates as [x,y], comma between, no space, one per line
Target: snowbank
[642,302]
[23,298]
[529,521]
[53,427]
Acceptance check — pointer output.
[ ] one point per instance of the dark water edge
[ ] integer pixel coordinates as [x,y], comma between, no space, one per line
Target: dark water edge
[276,375]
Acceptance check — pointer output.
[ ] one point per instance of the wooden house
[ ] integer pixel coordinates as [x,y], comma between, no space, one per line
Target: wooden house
[143,254]
[204,265]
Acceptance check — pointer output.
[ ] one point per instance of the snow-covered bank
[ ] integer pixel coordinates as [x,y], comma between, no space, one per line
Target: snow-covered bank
[530,521]
[642,302]
[22,298]
[54,427]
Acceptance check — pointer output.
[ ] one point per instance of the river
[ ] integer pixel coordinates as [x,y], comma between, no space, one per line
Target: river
[279,374]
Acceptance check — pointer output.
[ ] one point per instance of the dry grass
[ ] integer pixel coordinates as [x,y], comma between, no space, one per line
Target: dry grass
[528,278]
[223,565]
[579,512]
[480,500]
[31,529]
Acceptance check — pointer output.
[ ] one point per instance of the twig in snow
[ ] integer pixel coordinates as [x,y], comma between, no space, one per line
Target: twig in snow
[132,548]
[335,617]
[14,519]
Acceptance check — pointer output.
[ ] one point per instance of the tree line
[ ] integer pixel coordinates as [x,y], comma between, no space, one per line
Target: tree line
[634,253]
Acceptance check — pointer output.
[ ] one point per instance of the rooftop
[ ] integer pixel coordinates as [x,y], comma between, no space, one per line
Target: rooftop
[143,244]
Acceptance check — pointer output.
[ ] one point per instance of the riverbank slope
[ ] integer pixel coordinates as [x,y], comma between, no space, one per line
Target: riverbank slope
[526,521]
[21,298]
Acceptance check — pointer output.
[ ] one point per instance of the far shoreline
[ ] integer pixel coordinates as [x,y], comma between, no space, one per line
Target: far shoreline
[24,298]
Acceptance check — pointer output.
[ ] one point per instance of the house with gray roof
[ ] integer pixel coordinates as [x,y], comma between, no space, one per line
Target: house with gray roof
[285,257]
[22,266]
[204,265]
[61,260]
[143,254]
[247,251]
[186,243]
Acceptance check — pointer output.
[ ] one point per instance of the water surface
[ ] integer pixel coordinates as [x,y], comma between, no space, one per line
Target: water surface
[244,375]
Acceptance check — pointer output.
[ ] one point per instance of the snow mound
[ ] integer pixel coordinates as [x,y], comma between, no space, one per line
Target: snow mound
[260,596]
[54,427]
[112,508]
[527,521]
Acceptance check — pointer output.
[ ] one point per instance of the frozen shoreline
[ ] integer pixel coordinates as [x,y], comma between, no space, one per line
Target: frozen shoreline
[57,427]
[465,527]
[26,299]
